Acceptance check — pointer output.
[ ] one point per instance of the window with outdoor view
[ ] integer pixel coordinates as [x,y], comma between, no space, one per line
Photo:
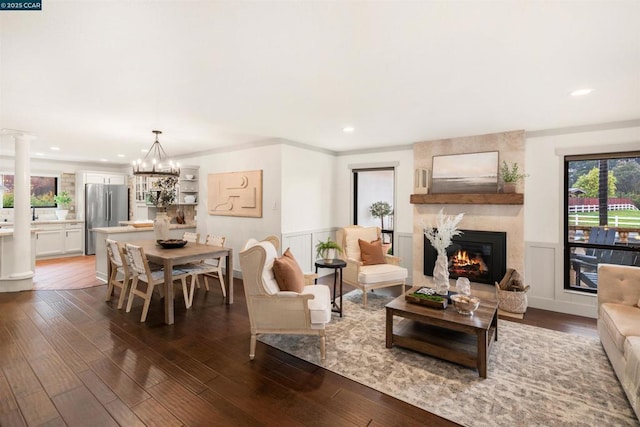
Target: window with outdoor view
[43,190]
[602,201]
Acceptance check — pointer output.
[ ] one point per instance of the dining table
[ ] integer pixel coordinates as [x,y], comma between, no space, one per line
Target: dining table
[191,252]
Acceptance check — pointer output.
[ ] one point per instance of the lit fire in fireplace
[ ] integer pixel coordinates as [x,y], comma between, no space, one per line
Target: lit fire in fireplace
[463,264]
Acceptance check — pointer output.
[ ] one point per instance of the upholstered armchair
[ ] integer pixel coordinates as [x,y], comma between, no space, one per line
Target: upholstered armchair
[277,311]
[368,277]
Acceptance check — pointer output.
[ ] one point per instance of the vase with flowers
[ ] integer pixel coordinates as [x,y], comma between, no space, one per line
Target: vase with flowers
[162,195]
[440,236]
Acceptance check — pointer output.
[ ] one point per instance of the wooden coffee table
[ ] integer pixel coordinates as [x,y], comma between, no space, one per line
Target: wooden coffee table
[445,334]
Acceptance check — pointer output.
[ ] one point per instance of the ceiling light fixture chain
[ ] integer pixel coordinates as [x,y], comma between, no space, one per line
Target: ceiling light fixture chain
[159,165]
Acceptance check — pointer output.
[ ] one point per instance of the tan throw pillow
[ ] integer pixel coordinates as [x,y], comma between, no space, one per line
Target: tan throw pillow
[371,253]
[288,273]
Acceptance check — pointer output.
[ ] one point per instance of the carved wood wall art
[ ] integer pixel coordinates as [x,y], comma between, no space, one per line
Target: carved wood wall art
[235,194]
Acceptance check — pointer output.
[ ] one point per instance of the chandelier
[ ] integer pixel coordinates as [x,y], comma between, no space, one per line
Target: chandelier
[155,162]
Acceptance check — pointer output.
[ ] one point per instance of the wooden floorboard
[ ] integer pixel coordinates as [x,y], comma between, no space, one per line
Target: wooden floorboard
[68,357]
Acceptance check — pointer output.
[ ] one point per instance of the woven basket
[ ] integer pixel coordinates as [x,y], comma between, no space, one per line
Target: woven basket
[512,301]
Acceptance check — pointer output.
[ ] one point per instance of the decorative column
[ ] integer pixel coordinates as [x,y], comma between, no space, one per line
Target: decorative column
[21,277]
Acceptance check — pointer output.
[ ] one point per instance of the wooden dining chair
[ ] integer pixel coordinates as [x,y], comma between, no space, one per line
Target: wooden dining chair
[140,265]
[191,237]
[208,268]
[214,265]
[121,274]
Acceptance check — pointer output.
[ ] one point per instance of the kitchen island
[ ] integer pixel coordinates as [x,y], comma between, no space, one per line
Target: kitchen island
[129,233]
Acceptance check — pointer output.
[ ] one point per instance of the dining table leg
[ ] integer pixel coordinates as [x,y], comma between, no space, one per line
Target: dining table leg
[229,274]
[168,292]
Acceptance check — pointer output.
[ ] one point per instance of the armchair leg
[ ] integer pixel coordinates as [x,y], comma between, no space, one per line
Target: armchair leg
[364,297]
[252,347]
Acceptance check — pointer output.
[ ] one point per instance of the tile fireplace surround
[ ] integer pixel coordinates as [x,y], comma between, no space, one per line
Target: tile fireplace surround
[482,217]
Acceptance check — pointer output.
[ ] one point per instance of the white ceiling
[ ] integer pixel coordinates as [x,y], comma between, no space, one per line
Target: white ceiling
[94,78]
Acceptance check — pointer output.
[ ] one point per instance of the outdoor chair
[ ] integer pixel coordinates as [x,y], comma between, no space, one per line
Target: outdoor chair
[586,265]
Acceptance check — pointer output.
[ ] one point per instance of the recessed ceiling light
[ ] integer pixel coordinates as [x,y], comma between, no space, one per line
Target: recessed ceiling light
[581,92]
[348,129]
[144,150]
[39,154]
[120,155]
[104,160]
[54,148]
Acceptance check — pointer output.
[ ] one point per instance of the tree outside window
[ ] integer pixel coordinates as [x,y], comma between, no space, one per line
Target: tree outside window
[43,190]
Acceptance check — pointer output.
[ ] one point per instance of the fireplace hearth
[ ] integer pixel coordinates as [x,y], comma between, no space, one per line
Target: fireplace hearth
[481,256]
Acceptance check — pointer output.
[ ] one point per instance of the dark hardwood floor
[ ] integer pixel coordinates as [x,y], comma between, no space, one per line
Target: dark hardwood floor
[70,358]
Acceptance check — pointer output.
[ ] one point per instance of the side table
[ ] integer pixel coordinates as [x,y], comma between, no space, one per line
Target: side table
[337,265]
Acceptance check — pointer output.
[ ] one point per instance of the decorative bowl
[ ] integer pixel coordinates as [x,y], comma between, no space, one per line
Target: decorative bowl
[189,176]
[189,199]
[172,243]
[464,304]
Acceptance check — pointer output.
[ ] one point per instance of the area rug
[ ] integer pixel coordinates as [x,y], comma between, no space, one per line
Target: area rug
[536,376]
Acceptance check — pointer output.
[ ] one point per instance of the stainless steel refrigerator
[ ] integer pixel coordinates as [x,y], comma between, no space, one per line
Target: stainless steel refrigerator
[104,206]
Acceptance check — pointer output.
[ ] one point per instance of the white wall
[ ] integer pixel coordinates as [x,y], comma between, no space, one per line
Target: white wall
[239,229]
[544,210]
[403,210]
[308,180]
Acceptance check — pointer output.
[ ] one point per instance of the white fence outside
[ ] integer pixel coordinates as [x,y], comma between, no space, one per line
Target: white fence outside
[618,221]
[595,208]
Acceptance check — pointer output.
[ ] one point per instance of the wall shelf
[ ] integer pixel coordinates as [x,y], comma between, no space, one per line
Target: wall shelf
[469,199]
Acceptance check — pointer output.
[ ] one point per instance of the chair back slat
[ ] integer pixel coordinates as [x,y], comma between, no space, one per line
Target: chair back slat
[215,240]
[114,251]
[139,262]
[191,237]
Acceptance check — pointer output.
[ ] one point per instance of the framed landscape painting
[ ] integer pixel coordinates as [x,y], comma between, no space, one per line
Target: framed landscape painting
[465,173]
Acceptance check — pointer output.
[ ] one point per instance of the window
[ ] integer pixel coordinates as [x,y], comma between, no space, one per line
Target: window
[371,186]
[43,189]
[602,216]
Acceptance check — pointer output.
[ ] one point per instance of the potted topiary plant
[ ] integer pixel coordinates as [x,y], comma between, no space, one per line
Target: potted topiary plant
[327,250]
[510,174]
[63,200]
[380,210]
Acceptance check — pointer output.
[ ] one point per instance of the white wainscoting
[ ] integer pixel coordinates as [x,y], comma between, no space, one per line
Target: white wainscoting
[303,246]
[544,265]
[404,250]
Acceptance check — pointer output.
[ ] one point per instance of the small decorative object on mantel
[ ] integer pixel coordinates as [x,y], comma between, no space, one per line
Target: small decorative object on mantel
[440,237]
[426,297]
[511,293]
[421,181]
[510,175]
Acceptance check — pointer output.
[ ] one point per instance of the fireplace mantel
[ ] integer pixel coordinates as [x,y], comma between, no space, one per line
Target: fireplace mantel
[468,199]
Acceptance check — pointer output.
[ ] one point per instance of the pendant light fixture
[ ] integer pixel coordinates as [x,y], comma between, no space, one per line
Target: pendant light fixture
[155,162]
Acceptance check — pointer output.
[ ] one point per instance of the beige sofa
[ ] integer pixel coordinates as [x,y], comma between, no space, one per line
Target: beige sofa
[619,325]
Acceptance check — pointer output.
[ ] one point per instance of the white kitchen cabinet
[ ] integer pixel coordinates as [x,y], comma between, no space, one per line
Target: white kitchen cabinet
[54,240]
[73,242]
[49,242]
[105,178]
